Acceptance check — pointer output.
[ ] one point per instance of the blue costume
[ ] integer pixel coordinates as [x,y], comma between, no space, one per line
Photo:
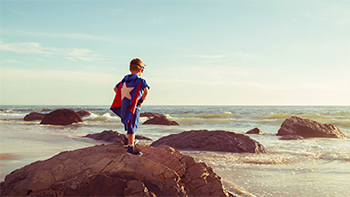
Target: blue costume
[125,103]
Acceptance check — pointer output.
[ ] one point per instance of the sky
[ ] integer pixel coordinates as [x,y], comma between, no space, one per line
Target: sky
[238,52]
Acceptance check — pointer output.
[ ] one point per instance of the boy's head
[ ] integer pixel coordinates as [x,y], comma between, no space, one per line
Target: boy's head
[137,66]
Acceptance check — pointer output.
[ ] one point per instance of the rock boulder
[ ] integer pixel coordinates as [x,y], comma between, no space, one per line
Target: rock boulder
[158,119]
[106,170]
[308,128]
[255,131]
[205,140]
[83,113]
[34,116]
[113,136]
[61,117]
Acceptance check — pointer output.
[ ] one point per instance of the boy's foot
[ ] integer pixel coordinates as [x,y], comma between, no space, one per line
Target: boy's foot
[132,150]
[126,143]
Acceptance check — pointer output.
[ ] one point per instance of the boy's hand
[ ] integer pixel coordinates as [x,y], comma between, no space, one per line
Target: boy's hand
[140,101]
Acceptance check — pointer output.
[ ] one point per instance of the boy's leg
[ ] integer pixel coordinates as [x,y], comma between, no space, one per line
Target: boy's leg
[131,130]
[131,139]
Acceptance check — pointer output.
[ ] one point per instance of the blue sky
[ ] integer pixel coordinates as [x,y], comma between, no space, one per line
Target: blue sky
[196,52]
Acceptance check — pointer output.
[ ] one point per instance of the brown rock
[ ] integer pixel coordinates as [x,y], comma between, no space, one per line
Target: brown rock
[106,170]
[160,120]
[61,117]
[157,119]
[113,136]
[222,141]
[308,128]
[83,113]
[255,131]
[34,116]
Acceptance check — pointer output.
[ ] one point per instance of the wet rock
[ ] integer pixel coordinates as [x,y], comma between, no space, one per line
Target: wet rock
[83,113]
[106,170]
[61,117]
[308,128]
[158,119]
[255,131]
[113,136]
[34,116]
[205,140]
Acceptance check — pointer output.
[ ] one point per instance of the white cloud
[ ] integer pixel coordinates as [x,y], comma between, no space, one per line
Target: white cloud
[75,36]
[73,54]
[26,47]
[19,12]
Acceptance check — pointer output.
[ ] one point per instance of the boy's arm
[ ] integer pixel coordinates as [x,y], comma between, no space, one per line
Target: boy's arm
[144,96]
[145,93]
[115,89]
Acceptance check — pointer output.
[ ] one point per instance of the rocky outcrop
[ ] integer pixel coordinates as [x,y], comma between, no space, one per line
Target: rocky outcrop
[34,116]
[162,120]
[61,117]
[40,116]
[106,170]
[157,119]
[83,113]
[205,140]
[113,136]
[255,131]
[150,114]
[308,128]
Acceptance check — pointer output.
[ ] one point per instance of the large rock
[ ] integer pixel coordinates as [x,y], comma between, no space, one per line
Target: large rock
[83,113]
[158,119]
[256,130]
[222,141]
[308,128]
[34,116]
[113,136]
[61,117]
[106,170]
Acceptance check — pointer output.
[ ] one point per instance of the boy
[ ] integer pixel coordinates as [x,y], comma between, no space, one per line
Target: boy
[130,93]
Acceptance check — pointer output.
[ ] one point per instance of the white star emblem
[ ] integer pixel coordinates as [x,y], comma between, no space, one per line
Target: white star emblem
[126,91]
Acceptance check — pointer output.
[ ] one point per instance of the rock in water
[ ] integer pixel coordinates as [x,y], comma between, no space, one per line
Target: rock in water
[61,117]
[255,131]
[83,113]
[106,170]
[308,128]
[34,116]
[159,119]
[113,136]
[222,141]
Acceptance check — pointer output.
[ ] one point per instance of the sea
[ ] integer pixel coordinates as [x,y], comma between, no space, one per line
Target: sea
[307,167]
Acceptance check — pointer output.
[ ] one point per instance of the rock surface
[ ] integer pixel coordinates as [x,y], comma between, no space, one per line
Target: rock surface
[34,116]
[255,131]
[61,117]
[222,141]
[106,170]
[308,128]
[157,119]
[113,136]
[83,113]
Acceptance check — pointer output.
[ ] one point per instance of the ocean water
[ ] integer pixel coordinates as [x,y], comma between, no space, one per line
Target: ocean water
[308,167]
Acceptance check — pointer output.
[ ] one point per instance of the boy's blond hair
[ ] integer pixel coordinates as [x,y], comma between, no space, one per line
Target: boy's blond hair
[136,64]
